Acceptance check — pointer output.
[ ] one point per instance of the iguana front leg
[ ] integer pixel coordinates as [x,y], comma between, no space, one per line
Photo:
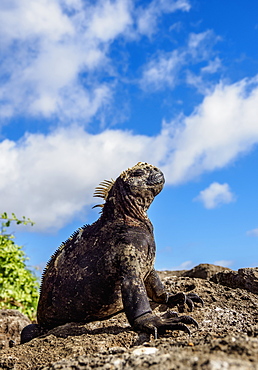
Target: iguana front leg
[156,292]
[134,295]
[136,303]
[140,315]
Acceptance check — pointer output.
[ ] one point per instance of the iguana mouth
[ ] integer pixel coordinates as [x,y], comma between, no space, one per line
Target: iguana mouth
[156,178]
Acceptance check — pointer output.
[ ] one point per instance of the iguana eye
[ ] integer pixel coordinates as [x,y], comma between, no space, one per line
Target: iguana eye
[138,172]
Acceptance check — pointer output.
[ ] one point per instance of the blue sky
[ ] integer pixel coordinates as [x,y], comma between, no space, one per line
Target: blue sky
[89,88]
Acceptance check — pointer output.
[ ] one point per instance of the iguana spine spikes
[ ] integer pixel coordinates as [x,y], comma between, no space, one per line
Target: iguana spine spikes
[103,189]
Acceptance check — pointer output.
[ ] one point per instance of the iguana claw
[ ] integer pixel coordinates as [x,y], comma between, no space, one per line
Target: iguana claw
[194,298]
[180,299]
[183,319]
[155,325]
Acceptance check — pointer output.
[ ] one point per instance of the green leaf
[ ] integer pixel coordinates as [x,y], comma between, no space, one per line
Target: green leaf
[19,286]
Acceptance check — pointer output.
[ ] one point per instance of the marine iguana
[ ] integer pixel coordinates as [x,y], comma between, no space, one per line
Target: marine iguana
[108,266]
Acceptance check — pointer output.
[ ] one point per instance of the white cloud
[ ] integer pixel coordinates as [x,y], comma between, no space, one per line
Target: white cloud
[109,19]
[220,129]
[200,44]
[253,232]
[55,49]
[224,263]
[46,50]
[165,70]
[51,178]
[215,195]
[26,20]
[147,18]
[172,6]
[200,81]
[186,265]
[197,81]
[213,66]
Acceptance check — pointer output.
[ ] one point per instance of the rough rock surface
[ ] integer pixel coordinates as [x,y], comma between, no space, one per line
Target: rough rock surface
[205,271]
[11,324]
[246,278]
[227,337]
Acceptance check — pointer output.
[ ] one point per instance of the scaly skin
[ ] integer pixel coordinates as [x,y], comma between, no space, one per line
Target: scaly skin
[108,266]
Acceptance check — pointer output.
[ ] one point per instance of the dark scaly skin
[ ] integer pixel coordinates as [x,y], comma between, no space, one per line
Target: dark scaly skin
[108,266]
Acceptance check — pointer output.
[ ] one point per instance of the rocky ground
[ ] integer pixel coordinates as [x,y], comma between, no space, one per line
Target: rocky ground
[227,337]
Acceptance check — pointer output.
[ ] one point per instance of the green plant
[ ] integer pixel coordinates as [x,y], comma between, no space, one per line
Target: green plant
[19,286]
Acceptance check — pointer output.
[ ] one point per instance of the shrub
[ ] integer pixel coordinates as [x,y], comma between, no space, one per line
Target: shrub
[19,286]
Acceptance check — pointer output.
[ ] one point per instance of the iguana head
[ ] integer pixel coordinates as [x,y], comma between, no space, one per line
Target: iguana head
[143,180]
[133,191]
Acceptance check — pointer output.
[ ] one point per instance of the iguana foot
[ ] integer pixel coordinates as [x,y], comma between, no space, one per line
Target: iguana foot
[191,298]
[155,325]
[31,331]
[180,299]
[183,319]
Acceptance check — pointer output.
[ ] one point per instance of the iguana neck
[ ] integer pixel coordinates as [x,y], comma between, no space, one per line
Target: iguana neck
[122,204]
